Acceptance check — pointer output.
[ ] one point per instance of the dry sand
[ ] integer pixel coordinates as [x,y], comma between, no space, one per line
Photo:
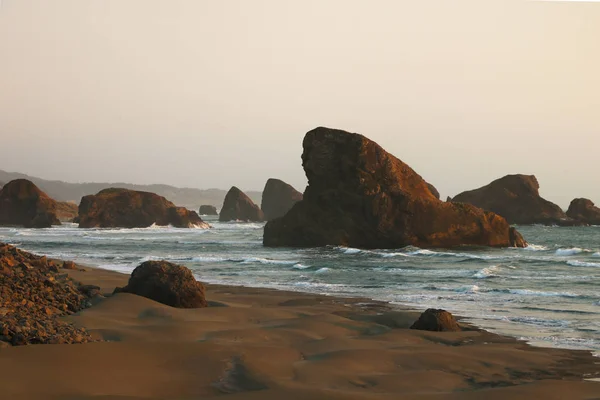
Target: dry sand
[267,344]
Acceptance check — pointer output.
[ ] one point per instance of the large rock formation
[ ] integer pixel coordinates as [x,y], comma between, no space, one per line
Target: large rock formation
[516,198]
[239,207]
[278,198]
[167,283]
[132,209]
[208,210]
[66,211]
[584,211]
[359,195]
[24,204]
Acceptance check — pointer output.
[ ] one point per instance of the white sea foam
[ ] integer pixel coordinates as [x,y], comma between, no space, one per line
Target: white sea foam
[252,260]
[528,292]
[570,252]
[322,270]
[300,266]
[535,247]
[576,263]
[487,272]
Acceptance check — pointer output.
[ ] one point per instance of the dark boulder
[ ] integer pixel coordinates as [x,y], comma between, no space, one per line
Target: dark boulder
[584,211]
[208,210]
[435,320]
[278,198]
[516,198]
[359,195]
[433,190]
[126,208]
[166,283]
[23,204]
[239,207]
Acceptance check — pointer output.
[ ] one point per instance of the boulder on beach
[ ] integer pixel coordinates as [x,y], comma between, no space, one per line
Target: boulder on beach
[166,283]
[208,210]
[359,195]
[584,211]
[239,207]
[278,198]
[436,321]
[516,198]
[124,208]
[22,203]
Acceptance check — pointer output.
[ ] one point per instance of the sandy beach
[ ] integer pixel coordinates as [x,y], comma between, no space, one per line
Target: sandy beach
[267,344]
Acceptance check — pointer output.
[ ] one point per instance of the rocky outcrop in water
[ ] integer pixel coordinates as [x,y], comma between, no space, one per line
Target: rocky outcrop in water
[435,320]
[359,195]
[66,211]
[208,210]
[34,295]
[239,207]
[516,198]
[24,204]
[123,208]
[584,211]
[278,198]
[167,283]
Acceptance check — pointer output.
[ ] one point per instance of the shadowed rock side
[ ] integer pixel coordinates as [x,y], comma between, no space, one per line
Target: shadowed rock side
[167,283]
[278,198]
[516,198]
[361,196]
[584,211]
[239,207]
[125,208]
[66,211]
[433,190]
[24,204]
[208,210]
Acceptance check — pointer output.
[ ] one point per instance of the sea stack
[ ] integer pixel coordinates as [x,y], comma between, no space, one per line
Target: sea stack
[584,211]
[237,206]
[208,210]
[124,208]
[516,198]
[361,196]
[278,198]
[22,203]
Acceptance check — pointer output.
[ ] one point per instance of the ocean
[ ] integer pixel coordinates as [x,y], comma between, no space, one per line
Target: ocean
[547,294]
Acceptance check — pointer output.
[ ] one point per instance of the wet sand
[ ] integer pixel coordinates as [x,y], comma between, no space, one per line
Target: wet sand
[268,344]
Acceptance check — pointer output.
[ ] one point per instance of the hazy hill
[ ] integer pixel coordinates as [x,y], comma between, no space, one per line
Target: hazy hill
[186,197]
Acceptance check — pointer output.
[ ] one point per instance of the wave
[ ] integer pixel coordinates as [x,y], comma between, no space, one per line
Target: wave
[596,255]
[488,272]
[571,252]
[534,247]
[322,270]
[576,263]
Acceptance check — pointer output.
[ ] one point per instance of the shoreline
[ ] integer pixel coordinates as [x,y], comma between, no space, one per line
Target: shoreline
[259,343]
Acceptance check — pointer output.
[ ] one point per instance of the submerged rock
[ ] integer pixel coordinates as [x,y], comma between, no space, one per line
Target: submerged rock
[125,208]
[22,203]
[239,207]
[166,283]
[516,198]
[359,195]
[584,211]
[208,210]
[278,198]
[435,320]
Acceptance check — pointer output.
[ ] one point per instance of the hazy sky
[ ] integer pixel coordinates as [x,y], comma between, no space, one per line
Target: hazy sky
[219,93]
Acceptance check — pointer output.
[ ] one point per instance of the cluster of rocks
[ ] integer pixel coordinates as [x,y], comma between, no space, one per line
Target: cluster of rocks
[34,294]
[359,195]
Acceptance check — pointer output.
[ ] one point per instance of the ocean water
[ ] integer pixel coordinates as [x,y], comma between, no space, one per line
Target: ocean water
[547,294]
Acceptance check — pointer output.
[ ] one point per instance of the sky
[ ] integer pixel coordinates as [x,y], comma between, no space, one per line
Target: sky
[219,93]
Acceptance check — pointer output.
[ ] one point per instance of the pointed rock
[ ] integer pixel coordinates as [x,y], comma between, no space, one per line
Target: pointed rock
[359,195]
[278,198]
[239,207]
